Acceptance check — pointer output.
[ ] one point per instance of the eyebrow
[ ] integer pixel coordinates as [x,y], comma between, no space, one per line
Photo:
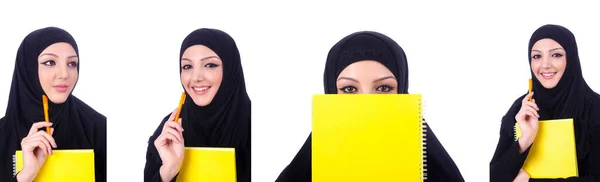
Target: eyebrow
[354,80]
[346,78]
[48,54]
[558,48]
[209,57]
[380,79]
[54,55]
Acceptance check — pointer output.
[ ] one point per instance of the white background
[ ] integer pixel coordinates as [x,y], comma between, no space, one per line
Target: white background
[469,59]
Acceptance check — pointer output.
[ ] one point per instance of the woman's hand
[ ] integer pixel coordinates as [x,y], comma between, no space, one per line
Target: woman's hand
[527,118]
[170,146]
[35,147]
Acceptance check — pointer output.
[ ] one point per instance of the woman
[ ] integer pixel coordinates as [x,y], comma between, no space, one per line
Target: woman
[559,91]
[368,62]
[48,64]
[216,112]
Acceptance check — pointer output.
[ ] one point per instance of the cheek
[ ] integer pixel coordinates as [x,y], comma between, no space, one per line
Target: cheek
[185,77]
[561,64]
[215,77]
[45,76]
[74,75]
[535,65]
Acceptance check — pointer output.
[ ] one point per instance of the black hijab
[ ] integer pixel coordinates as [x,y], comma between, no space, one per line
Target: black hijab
[572,97]
[370,45]
[76,125]
[225,122]
[366,45]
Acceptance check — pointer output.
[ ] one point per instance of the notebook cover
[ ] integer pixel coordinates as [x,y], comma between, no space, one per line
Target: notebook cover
[208,164]
[553,152]
[367,137]
[63,165]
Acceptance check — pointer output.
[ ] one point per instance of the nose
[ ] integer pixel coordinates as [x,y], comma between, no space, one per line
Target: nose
[197,74]
[367,91]
[62,72]
[546,63]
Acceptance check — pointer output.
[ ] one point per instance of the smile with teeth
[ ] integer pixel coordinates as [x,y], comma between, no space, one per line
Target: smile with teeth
[548,73]
[200,89]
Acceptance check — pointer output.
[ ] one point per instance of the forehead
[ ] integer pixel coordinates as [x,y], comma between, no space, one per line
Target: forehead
[198,51]
[59,48]
[365,69]
[546,43]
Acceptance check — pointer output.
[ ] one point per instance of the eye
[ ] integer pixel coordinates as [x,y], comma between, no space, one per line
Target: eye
[384,88]
[187,66]
[348,89]
[73,64]
[537,56]
[211,65]
[557,55]
[49,63]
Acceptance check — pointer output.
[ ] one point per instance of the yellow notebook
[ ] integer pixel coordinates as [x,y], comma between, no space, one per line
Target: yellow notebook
[208,164]
[63,165]
[553,152]
[367,137]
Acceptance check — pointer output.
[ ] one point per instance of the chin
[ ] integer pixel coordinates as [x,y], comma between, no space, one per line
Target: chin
[549,85]
[57,100]
[201,102]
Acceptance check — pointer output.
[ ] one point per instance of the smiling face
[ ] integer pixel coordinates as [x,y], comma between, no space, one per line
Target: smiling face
[201,73]
[57,71]
[548,62]
[366,77]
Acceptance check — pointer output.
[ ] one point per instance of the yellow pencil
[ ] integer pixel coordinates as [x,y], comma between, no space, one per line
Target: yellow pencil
[181,101]
[45,103]
[530,88]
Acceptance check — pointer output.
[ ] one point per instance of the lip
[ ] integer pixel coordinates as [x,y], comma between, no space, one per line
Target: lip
[548,75]
[200,89]
[61,87]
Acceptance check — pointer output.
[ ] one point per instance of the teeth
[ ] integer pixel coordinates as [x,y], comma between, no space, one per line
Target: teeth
[200,89]
[547,74]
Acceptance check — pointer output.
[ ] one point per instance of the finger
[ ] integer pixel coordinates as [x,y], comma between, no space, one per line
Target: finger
[160,141]
[38,143]
[532,110]
[175,126]
[530,114]
[47,144]
[527,97]
[36,126]
[172,117]
[173,137]
[533,105]
[49,138]
[176,134]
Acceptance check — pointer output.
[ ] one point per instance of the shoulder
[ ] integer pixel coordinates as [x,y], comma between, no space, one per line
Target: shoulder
[515,107]
[2,125]
[160,127]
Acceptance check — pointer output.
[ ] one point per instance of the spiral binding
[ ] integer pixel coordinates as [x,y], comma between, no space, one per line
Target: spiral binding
[14,160]
[515,132]
[424,141]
